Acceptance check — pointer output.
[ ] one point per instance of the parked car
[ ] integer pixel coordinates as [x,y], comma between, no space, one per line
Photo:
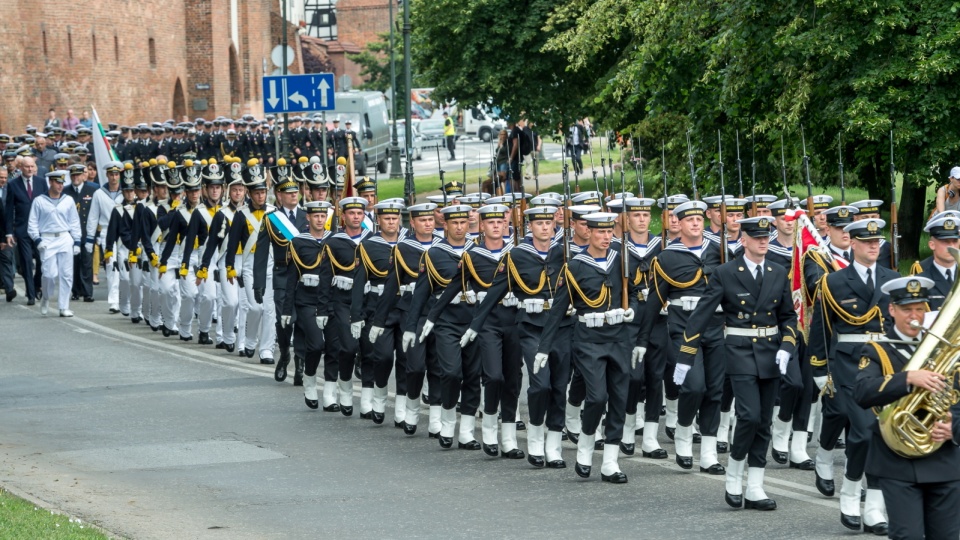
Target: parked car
[417,138]
[431,130]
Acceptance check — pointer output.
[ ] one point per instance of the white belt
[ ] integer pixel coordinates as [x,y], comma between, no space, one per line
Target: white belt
[752,332]
[407,288]
[535,305]
[596,320]
[859,338]
[376,289]
[343,283]
[310,280]
[689,303]
[52,234]
[467,297]
[510,300]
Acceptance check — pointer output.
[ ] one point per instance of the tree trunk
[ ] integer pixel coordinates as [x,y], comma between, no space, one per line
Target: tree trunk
[912,206]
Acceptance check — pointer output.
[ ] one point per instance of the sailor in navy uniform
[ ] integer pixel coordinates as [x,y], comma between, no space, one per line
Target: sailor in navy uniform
[870,209]
[392,312]
[377,359]
[921,494]
[303,286]
[759,206]
[735,208]
[940,267]
[821,203]
[760,337]
[680,274]
[851,312]
[781,239]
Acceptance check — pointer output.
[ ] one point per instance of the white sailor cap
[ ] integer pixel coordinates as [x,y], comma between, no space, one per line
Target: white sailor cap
[422,210]
[601,220]
[353,203]
[673,201]
[317,207]
[389,208]
[866,229]
[763,201]
[494,211]
[456,211]
[690,208]
[580,210]
[538,213]
[779,208]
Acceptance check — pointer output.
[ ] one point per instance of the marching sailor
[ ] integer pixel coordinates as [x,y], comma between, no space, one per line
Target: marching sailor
[54,227]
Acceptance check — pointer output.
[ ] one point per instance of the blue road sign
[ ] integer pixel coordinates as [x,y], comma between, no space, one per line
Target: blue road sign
[298,93]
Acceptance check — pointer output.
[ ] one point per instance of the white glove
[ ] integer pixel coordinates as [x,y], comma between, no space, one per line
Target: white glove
[820,382]
[375,332]
[427,328]
[628,315]
[467,338]
[539,361]
[284,321]
[409,338]
[321,321]
[637,356]
[680,374]
[76,250]
[355,329]
[783,358]
[89,246]
[41,248]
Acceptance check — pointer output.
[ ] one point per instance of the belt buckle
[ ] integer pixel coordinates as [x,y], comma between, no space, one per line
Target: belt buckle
[762,332]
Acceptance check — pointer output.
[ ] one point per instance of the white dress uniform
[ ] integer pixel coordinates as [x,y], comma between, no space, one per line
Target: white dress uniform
[54,225]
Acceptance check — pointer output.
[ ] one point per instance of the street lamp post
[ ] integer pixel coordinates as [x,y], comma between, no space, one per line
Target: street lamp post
[394,146]
[285,137]
[409,188]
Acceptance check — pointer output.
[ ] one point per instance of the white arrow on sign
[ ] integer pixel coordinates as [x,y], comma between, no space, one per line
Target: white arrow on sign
[296,97]
[324,86]
[273,99]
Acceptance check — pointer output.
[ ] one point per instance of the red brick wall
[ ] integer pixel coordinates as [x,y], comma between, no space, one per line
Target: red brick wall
[359,22]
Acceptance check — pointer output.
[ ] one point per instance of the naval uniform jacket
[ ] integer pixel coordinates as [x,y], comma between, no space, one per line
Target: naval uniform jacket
[846,306]
[270,238]
[749,306]
[401,280]
[438,270]
[941,287]
[306,257]
[881,381]
[376,257]
[218,233]
[780,254]
[478,271]
[338,272]
[198,230]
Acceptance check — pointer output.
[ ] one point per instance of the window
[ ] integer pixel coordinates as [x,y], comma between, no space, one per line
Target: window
[116,48]
[45,43]
[151,45]
[70,44]
[94,47]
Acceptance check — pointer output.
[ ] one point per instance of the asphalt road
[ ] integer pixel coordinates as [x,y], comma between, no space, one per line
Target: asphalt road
[151,438]
[472,152]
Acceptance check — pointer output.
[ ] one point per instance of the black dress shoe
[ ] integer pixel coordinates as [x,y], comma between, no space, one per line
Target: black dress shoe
[765,504]
[398,425]
[135,320]
[824,486]
[409,429]
[628,449]
[470,445]
[563,436]
[521,426]
[445,442]
[557,464]
[735,501]
[125,314]
[840,444]
[346,410]
[659,453]
[298,371]
[779,457]
[583,471]
[491,450]
[220,345]
[723,448]
[697,438]
[31,301]
[155,328]
[670,432]
[516,453]
[187,338]
[806,465]
[685,462]
[850,522]
[433,435]
[366,415]
[11,294]
[716,469]
[88,299]
[638,432]
[266,361]
[73,297]
[39,294]
[377,418]
[536,461]
[312,403]
[332,408]
[880,529]
[280,373]
[571,436]
[598,444]
[249,353]
[113,311]
[229,347]
[615,478]
[204,339]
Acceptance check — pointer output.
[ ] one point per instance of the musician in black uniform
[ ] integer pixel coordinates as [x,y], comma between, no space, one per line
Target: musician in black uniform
[680,274]
[760,336]
[850,313]
[921,494]
[376,359]
[940,267]
[303,287]
[392,312]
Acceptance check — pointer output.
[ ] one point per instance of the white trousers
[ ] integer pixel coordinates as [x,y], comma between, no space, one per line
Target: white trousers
[56,266]
[261,329]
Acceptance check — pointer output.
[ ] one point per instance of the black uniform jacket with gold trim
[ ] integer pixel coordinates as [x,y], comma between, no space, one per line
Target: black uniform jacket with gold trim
[640,257]
[270,238]
[438,270]
[749,306]
[306,256]
[340,259]
[674,273]
[846,306]
[479,268]
[941,287]
[529,274]
[780,254]
[376,259]
[882,381]
[591,286]
[405,261]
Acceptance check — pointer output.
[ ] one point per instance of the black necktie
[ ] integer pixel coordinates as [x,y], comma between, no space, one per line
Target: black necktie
[290,213]
[870,279]
[759,275]
[846,256]
[949,275]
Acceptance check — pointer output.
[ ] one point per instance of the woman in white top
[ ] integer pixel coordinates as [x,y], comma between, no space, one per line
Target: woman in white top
[948,196]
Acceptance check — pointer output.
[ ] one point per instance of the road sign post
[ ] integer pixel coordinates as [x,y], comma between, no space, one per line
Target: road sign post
[298,93]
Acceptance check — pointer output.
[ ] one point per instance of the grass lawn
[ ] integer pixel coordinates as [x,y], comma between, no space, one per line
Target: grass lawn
[20,519]
[388,188]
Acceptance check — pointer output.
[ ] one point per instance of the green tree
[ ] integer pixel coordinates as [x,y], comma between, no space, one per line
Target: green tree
[374,61]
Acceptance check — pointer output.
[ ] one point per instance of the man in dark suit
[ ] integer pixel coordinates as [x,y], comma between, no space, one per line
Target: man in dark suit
[7,252]
[21,193]
[923,493]
[851,313]
[940,267]
[81,191]
[758,346]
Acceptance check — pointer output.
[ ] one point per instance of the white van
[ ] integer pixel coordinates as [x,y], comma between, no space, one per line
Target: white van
[367,112]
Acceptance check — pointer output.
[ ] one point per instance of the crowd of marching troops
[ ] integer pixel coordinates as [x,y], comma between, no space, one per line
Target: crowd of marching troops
[616,327]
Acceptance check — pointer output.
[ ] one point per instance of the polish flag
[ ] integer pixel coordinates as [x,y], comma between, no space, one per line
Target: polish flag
[806,238]
[102,151]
